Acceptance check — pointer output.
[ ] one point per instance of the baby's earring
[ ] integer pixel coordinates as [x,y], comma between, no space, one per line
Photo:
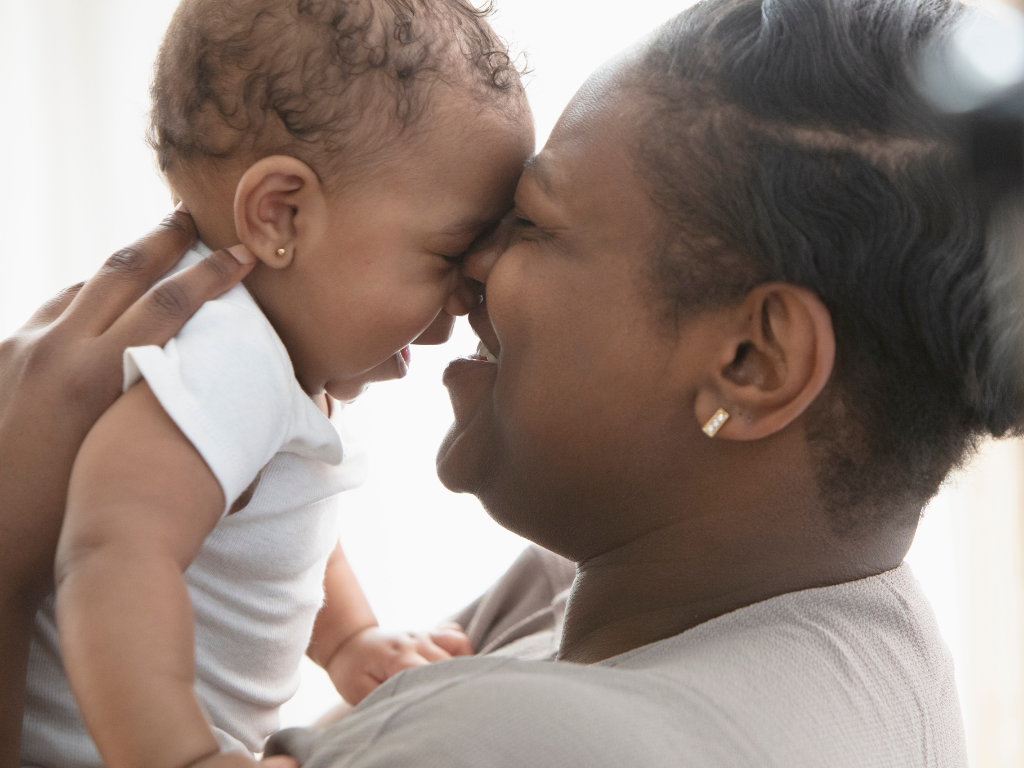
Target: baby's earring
[281,251]
[715,422]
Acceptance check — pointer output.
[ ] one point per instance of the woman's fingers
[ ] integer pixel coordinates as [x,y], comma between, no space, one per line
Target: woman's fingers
[130,273]
[53,308]
[161,312]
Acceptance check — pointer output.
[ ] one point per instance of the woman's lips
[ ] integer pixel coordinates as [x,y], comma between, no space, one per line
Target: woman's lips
[485,353]
[480,366]
[480,322]
[468,381]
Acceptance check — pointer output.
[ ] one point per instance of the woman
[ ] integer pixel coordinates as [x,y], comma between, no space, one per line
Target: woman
[743,327]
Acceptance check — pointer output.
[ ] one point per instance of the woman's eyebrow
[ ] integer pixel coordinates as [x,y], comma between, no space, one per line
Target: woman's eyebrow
[537,169]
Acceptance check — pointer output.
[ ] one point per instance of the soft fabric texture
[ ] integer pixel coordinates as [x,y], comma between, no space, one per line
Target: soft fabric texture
[521,615]
[849,675]
[257,583]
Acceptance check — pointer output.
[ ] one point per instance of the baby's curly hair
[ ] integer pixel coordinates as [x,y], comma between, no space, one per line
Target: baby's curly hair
[330,82]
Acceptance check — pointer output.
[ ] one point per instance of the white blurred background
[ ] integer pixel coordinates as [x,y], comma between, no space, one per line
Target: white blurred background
[77,182]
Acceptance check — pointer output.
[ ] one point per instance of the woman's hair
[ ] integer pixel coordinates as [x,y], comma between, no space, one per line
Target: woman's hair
[787,142]
[328,81]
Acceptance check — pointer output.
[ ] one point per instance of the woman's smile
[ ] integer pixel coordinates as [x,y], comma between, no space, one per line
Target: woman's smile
[480,322]
[576,351]
[469,378]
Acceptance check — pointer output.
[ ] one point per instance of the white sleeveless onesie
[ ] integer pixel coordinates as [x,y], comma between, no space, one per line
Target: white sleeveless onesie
[257,583]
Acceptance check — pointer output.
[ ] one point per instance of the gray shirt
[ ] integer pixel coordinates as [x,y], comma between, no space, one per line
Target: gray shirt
[849,675]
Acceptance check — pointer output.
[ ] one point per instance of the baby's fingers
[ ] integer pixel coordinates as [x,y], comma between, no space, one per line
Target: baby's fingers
[453,640]
[414,651]
[405,660]
[226,760]
[425,647]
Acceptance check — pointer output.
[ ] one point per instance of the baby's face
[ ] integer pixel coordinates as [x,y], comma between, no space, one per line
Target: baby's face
[388,262]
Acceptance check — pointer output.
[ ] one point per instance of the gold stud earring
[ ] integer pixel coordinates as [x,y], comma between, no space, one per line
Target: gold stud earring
[281,251]
[715,422]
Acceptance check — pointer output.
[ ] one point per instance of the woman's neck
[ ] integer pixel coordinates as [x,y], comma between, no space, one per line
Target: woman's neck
[675,578]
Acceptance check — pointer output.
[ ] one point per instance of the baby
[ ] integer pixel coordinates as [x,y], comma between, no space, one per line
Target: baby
[356,149]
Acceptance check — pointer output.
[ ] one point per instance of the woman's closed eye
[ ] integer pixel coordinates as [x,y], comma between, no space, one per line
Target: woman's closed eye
[524,229]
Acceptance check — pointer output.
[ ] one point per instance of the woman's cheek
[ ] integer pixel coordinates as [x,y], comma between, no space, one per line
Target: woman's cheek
[532,411]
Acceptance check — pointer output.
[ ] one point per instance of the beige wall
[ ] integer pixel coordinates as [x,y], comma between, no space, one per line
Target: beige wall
[988,503]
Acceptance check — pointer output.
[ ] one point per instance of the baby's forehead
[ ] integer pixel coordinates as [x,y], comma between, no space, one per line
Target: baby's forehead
[457,173]
[462,126]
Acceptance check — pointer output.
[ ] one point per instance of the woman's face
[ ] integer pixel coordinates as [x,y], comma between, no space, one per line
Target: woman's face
[570,419]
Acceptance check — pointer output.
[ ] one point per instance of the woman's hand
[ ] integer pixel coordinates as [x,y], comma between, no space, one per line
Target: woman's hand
[58,374]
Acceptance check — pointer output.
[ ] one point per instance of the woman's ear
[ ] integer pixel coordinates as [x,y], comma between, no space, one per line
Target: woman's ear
[280,207]
[774,361]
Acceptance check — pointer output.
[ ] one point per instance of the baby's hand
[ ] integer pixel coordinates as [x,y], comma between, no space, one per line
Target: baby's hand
[371,656]
[233,760]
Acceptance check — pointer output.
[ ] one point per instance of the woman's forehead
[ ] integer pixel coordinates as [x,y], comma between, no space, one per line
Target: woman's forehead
[592,144]
[610,89]
[584,189]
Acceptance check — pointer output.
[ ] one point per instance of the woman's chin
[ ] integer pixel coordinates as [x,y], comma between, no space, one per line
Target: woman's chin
[468,451]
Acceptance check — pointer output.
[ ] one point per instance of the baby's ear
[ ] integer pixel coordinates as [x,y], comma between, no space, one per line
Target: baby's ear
[268,200]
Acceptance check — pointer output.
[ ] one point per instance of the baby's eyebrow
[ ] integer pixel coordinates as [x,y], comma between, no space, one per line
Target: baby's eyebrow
[466,227]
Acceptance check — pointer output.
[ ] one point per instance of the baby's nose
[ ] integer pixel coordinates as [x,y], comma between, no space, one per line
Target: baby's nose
[466,295]
[478,264]
[438,332]
[484,254]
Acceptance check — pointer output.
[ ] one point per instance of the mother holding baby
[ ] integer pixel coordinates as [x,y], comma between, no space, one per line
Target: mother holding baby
[741,327]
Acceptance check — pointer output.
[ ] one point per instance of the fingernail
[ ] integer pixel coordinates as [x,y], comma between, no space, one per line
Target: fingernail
[242,254]
[181,207]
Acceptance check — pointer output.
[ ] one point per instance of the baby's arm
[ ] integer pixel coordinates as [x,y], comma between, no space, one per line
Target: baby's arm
[356,654]
[140,503]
